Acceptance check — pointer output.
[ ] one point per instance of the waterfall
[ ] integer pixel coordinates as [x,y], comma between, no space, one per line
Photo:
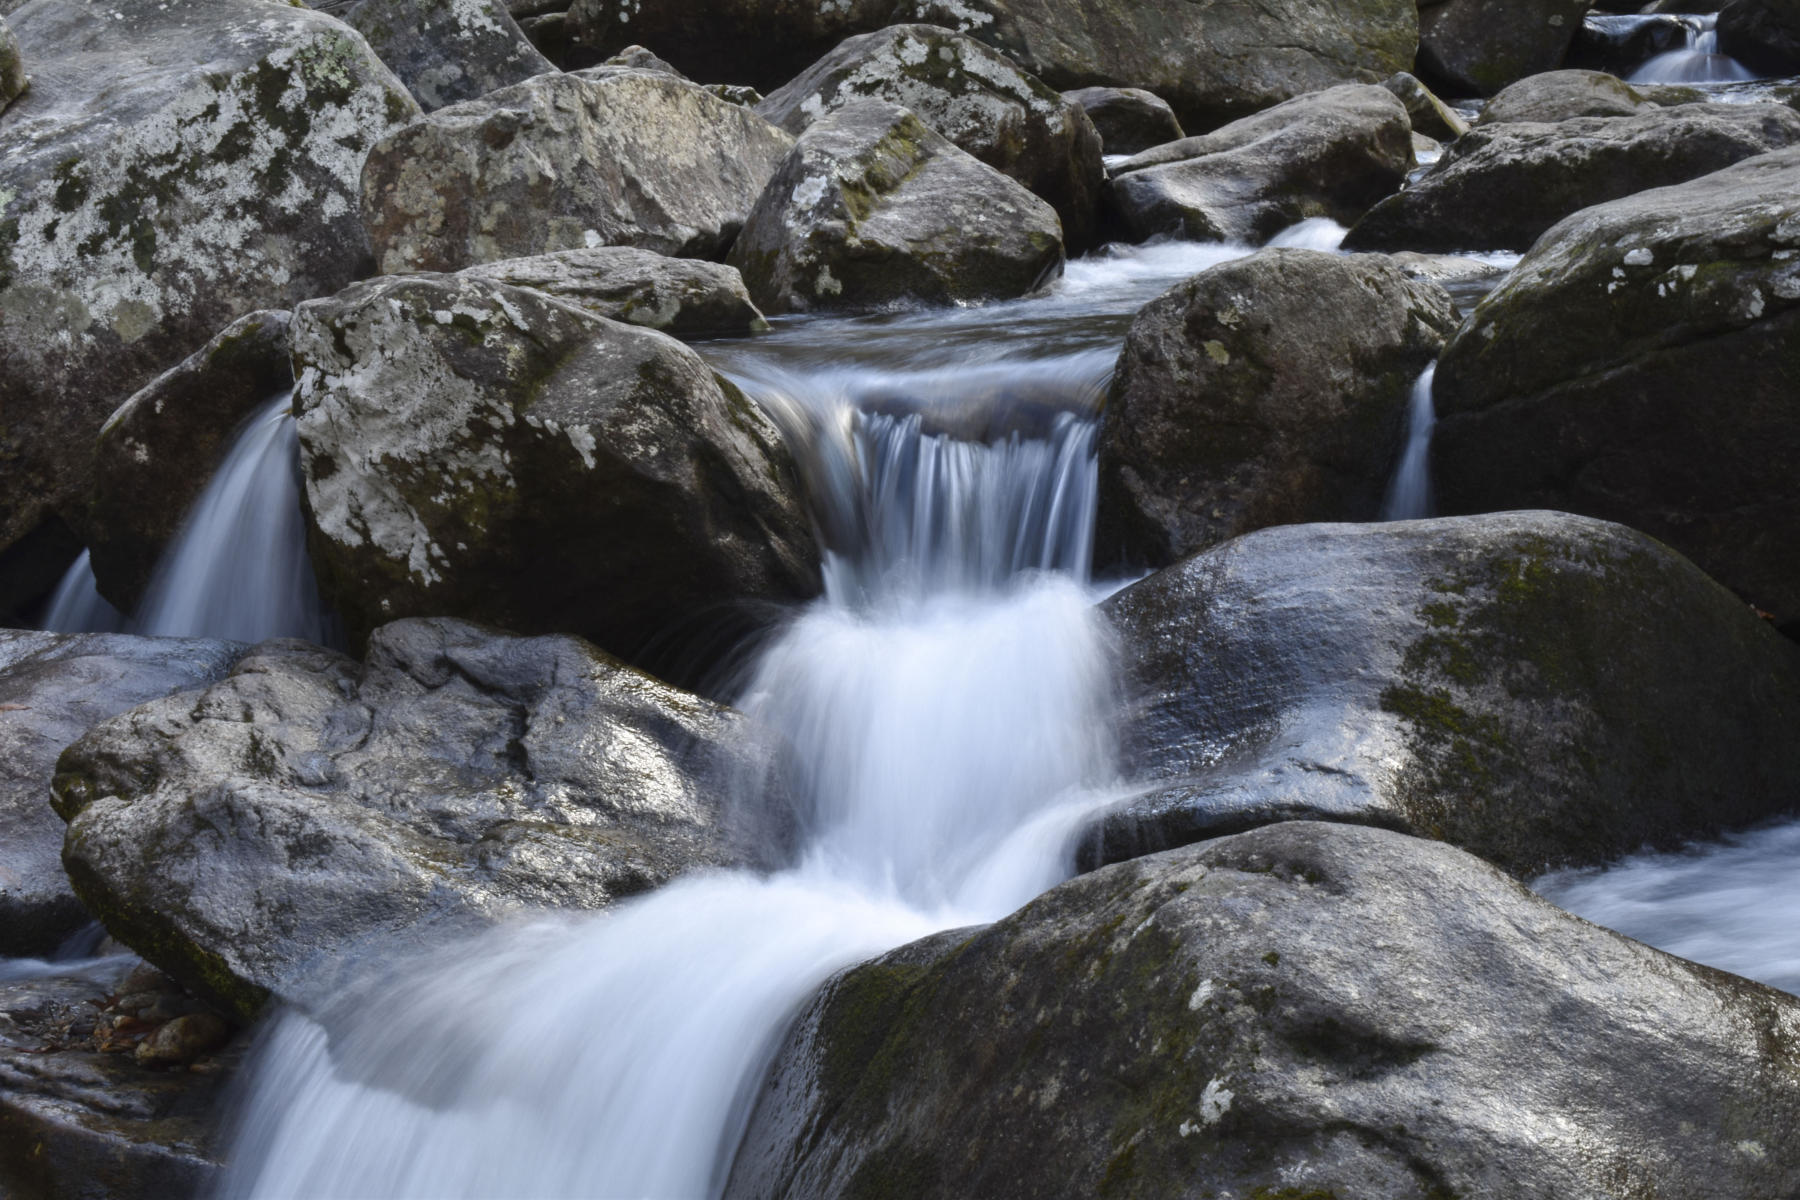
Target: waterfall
[1697,62]
[77,605]
[1409,492]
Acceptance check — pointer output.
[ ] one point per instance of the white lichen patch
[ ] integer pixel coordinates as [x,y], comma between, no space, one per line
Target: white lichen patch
[1201,995]
[1215,1102]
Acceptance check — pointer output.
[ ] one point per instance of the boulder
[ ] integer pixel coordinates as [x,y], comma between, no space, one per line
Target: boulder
[1635,367]
[1504,184]
[875,210]
[12,66]
[1624,41]
[683,297]
[1536,688]
[485,451]
[1477,47]
[446,51]
[972,95]
[256,838]
[1429,115]
[1764,35]
[1562,95]
[641,159]
[1307,1010]
[1213,62]
[52,688]
[173,166]
[1268,390]
[158,451]
[1327,154]
[1128,120]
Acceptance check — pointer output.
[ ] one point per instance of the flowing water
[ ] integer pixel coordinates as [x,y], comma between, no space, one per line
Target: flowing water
[1409,492]
[1699,61]
[77,605]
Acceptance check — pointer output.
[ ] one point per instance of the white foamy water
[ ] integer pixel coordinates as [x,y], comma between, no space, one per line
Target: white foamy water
[77,605]
[1697,62]
[1409,492]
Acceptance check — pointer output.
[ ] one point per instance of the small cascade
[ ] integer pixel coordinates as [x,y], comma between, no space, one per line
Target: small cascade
[77,605]
[1314,233]
[1409,492]
[1698,61]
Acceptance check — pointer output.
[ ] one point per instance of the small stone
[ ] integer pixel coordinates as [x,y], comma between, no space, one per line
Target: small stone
[183,1039]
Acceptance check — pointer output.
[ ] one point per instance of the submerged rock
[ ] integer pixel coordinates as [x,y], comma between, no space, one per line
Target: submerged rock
[1637,366]
[485,451]
[972,95]
[1536,688]
[875,210]
[1128,120]
[1307,1010]
[53,686]
[158,451]
[641,159]
[682,297]
[1477,47]
[446,51]
[1504,184]
[253,839]
[1328,154]
[1265,391]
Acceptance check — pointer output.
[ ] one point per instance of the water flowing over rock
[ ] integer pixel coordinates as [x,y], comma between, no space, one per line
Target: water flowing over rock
[173,166]
[873,209]
[1304,1010]
[458,434]
[1477,47]
[1504,184]
[1762,34]
[52,688]
[447,51]
[642,159]
[1265,391]
[1128,120]
[255,838]
[972,95]
[155,454]
[1327,154]
[1212,62]
[1536,688]
[1575,384]
[682,297]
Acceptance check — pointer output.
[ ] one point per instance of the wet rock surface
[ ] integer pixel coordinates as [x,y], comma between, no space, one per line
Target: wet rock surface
[446,51]
[682,297]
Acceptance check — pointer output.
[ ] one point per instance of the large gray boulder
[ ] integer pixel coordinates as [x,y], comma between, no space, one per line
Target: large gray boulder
[682,297]
[1265,391]
[875,210]
[1477,47]
[157,452]
[485,451]
[1536,688]
[1128,120]
[446,51]
[253,839]
[52,688]
[1212,61]
[639,158]
[1562,95]
[1636,367]
[172,167]
[1505,183]
[974,96]
[1327,154]
[1306,1010]
[12,66]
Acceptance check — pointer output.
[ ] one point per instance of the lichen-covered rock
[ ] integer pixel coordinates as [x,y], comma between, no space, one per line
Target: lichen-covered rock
[1764,35]
[1477,47]
[54,686]
[971,94]
[1265,391]
[1536,688]
[683,297]
[1328,154]
[1128,120]
[172,167]
[1429,115]
[156,454]
[1638,366]
[1562,95]
[1504,184]
[1304,1011]
[254,838]
[1213,62]
[485,451]
[874,210]
[447,51]
[12,66]
[640,158]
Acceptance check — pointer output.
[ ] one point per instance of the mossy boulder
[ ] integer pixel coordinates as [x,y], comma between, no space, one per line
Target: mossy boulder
[1563,95]
[1536,688]
[1637,366]
[682,297]
[172,167]
[974,96]
[1304,1011]
[1429,115]
[12,66]
[1128,120]
[641,158]
[1326,154]
[1505,183]
[1269,390]
[491,452]
[875,210]
[254,838]
[1477,47]
[447,51]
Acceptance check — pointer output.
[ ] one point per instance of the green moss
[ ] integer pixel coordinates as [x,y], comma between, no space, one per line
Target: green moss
[861,1031]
